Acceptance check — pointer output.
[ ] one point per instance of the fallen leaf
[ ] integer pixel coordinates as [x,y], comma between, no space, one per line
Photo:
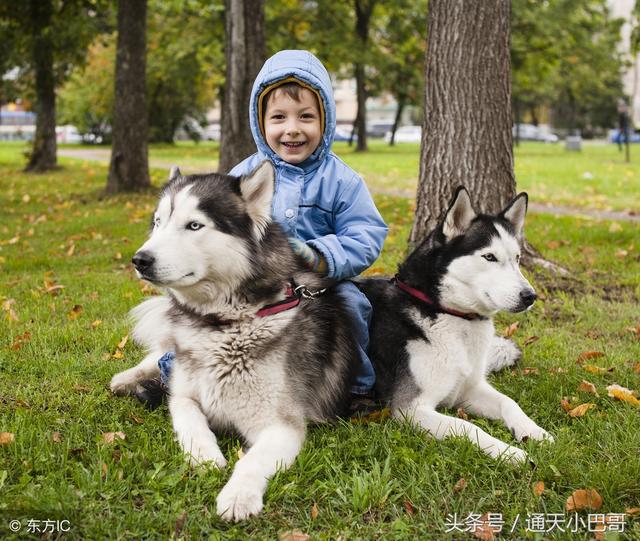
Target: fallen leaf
[461,483]
[104,469]
[636,368]
[111,437]
[179,525]
[531,340]
[95,324]
[622,393]
[615,227]
[123,342]
[75,312]
[293,535]
[118,256]
[634,330]
[565,404]
[118,355]
[314,511]
[530,370]
[463,414]
[6,438]
[596,369]
[588,355]
[580,410]
[56,437]
[588,388]
[484,530]
[408,507]
[82,388]
[511,329]
[374,416]
[538,488]
[71,249]
[557,370]
[632,510]
[584,499]
[20,340]
[135,418]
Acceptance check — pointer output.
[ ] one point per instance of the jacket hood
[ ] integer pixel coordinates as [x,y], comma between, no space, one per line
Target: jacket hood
[305,67]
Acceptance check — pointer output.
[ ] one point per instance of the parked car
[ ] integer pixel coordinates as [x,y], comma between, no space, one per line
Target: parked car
[212,132]
[378,129]
[68,134]
[406,134]
[530,132]
[616,137]
[343,134]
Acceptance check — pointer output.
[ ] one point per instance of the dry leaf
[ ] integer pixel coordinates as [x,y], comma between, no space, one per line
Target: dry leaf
[6,438]
[82,388]
[484,530]
[511,329]
[75,312]
[622,393]
[580,410]
[95,324]
[104,468]
[123,342]
[636,368]
[374,416]
[461,483]
[135,418]
[314,511]
[530,370]
[588,388]
[557,370]
[587,355]
[565,404]
[531,340]
[20,340]
[408,507]
[538,488]
[463,414]
[71,249]
[111,437]
[632,510]
[615,227]
[118,256]
[118,355]
[293,535]
[179,525]
[596,369]
[56,437]
[583,499]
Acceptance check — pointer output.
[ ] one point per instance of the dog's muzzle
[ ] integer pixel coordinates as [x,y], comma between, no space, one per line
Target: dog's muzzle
[143,262]
[527,298]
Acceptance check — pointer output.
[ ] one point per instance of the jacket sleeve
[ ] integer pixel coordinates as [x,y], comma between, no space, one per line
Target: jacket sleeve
[359,233]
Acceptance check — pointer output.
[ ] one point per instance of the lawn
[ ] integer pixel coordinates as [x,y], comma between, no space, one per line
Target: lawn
[65,288]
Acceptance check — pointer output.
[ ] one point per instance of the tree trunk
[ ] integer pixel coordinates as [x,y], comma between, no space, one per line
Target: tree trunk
[245,54]
[129,167]
[43,153]
[396,121]
[364,9]
[467,123]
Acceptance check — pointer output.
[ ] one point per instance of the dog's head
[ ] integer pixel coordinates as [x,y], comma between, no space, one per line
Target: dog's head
[205,228]
[474,258]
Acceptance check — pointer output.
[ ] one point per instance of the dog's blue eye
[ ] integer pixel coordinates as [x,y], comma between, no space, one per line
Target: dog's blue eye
[194,226]
[490,257]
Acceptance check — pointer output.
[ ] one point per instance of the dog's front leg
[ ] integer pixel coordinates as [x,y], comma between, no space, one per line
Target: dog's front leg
[485,401]
[126,382]
[193,432]
[442,426]
[275,447]
[502,353]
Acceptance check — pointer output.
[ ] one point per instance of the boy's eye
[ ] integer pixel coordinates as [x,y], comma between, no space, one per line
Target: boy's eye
[308,116]
[490,257]
[276,117]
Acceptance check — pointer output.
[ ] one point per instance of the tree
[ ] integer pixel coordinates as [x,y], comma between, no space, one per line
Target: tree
[129,167]
[43,39]
[467,124]
[245,54]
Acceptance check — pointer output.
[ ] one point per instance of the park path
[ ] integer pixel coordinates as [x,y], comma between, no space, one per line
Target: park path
[103,155]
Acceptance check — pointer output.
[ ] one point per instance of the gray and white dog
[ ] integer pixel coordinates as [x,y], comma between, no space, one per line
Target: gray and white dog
[432,338]
[257,351]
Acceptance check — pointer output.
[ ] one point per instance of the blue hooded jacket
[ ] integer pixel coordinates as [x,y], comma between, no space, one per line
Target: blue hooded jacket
[320,201]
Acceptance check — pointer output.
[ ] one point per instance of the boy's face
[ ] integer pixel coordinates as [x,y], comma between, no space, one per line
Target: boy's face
[292,128]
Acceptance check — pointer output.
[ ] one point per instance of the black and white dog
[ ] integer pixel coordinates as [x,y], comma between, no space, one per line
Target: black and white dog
[432,337]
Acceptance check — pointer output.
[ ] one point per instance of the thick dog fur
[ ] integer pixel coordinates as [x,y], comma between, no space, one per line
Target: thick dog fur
[220,259]
[424,357]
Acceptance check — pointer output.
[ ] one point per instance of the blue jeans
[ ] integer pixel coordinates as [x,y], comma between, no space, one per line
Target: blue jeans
[358,309]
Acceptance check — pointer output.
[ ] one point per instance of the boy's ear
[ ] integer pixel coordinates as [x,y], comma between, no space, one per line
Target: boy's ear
[459,215]
[256,190]
[516,211]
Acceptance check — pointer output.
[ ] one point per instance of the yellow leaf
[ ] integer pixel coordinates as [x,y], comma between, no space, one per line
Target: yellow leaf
[95,324]
[71,249]
[26,198]
[580,410]
[56,437]
[531,340]
[511,329]
[588,355]
[293,535]
[118,355]
[111,437]
[622,393]
[374,416]
[460,484]
[538,488]
[314,511]
[583,499]
[632,510]
[462,414]
[6,438]
[615,227]
[75,312]
[123,342]
[565,404]
[594,369]
[588,387]
[484,530]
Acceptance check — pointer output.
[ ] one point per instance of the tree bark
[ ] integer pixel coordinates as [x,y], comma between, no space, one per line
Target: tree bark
[364,9]
[43,153]
[402,99]
[129,167]
[245,54]
[467,123]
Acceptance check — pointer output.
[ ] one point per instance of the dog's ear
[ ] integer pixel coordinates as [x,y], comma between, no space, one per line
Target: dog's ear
[257,191]
[516,211]
[174,173]
[459,215]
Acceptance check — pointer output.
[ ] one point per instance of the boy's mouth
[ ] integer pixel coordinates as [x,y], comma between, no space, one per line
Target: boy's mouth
[292,144]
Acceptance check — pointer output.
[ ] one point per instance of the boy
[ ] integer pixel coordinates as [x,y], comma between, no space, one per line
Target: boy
[323,205]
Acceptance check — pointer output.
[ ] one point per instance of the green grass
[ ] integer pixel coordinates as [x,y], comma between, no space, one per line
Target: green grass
[59,229]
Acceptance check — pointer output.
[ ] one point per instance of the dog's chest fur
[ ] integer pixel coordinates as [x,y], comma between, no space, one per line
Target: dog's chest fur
[231,372]
[453,356]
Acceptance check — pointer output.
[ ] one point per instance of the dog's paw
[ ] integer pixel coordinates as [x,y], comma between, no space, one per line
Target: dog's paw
[235,503]
[514,455]
[531,431]
[503,353]
[124,383]
[202,456]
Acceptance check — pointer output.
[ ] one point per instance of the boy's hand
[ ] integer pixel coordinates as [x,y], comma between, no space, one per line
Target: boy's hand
[312,259]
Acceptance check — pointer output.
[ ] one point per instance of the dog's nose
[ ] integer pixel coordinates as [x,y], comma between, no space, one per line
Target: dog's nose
[142,261]
[528,297]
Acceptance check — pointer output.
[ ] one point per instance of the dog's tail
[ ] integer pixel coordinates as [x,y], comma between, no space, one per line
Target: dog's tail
[502,353]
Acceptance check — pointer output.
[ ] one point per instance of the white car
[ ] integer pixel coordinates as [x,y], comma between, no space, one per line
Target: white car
[406,134]
[529,132]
